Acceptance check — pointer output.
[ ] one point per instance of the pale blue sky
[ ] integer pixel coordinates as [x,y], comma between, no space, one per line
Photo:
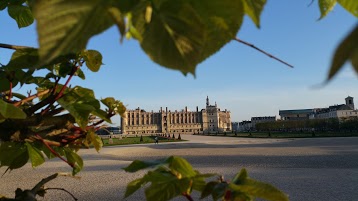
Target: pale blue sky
[238,78]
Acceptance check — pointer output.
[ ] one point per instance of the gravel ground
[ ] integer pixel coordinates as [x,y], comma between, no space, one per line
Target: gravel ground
[306,169]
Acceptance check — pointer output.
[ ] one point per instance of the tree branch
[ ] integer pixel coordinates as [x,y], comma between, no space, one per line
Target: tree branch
[39,105]
[13,47]
[262,51]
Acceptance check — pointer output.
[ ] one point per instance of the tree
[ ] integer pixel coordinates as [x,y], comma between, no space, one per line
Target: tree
[58,119]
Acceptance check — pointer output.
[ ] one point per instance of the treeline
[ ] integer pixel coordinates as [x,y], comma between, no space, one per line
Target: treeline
[333,124]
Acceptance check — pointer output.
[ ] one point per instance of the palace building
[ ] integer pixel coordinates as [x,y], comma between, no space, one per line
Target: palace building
[208,120]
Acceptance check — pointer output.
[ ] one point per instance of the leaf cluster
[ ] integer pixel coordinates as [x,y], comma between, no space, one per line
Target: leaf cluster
[58,117]
[175,176]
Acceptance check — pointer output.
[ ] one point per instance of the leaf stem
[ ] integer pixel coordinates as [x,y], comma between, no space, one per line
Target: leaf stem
[262,51]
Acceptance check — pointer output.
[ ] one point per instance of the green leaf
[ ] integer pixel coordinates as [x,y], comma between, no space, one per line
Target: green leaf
[174,36]
[5,83]
[22,14]
[219,191]
[139,165]
[101,114]
[326,6]
[181,166]
[253,9]
[199,183]
[133,186]
[79,102]
[63,69]
[13,154]
[182,34]
[126,6]
[114,105]
[35,155]
[24,59]
[80,74]
[74,160]
[347,50]
[93,59]
[260,190]
[109,102]
[7,110]
[94,139]
[240,177]
[208,190]
[118,18]
[244,185]
[350,5]
[165,186]
[78,21]
[4,4]
[166,183]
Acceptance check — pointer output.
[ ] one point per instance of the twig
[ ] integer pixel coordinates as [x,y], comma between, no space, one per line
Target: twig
[60,94]
[56,111]
[62,189]
[39,105]
[101,121]
[13,47]
[30,98]
[53,151]
[56,84]
[10,93]
[262,51]
[39,185]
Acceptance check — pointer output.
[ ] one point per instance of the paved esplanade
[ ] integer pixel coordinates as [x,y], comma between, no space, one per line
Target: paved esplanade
[306,169]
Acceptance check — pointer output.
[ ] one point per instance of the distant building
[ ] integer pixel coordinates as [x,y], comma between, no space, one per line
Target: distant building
[341,111]
[256,120]
[208,120]
[245,126]
[235,126]
[295,115]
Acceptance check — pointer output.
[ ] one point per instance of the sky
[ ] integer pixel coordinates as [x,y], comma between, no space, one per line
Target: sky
[238,78]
